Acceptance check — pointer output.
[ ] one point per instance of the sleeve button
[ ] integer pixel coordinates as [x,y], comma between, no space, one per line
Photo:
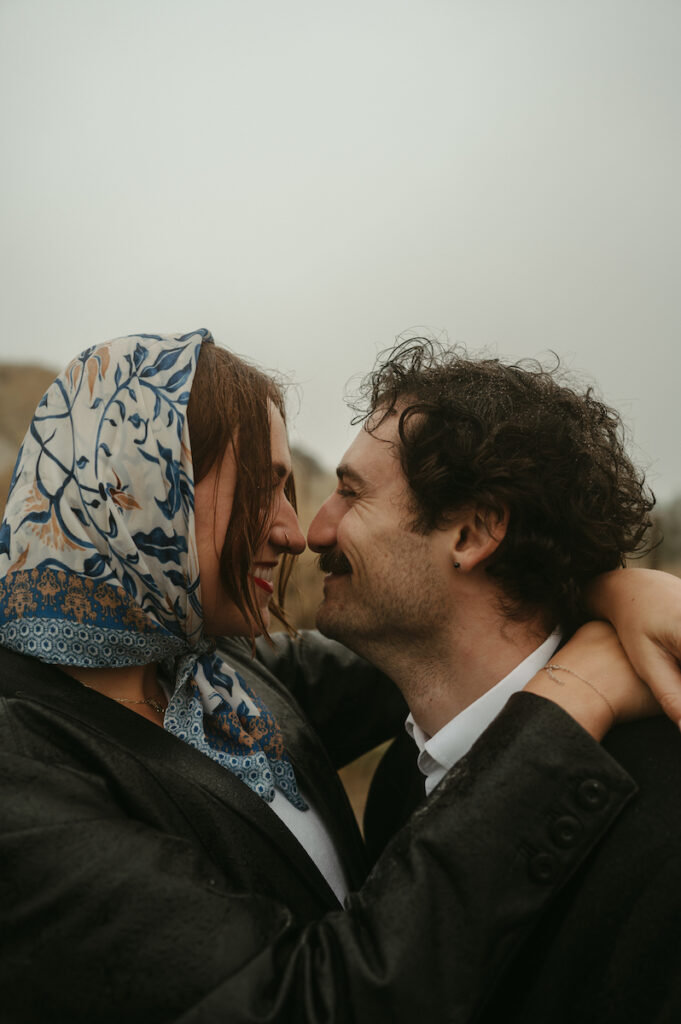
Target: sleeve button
[542,868]
[565,831]
[592,795]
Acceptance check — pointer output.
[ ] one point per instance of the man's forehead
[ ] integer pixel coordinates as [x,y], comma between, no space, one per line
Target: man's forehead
[373,455]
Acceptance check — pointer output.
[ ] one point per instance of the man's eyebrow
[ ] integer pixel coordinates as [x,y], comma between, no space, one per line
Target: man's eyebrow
[346,472]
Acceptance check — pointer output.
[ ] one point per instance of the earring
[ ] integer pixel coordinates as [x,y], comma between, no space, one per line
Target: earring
[457,565]
[288,542]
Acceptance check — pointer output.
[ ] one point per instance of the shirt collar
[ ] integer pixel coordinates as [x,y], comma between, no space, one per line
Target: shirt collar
[438,753]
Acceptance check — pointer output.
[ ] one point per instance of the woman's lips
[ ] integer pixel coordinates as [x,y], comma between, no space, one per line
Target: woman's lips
[263,584]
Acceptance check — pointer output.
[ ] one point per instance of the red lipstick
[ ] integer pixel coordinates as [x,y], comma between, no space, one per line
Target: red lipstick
[263,584]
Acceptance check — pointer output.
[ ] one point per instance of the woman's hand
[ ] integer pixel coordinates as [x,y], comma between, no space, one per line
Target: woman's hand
[591,678]
[644,606]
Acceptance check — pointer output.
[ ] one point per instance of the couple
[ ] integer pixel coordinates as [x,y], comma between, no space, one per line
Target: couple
[175,843]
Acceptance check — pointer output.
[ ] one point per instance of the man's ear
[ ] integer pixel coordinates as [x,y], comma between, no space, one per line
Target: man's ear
[476,536]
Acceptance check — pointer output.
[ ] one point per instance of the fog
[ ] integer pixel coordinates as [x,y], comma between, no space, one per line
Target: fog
[309,180]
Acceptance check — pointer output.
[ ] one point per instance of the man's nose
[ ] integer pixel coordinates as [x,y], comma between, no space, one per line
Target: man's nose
[322,530]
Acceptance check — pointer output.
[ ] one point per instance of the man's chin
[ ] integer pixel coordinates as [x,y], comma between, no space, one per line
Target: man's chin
[329,620]
[336,627]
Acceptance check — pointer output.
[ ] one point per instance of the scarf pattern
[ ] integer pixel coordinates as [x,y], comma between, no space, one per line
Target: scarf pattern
[98,563]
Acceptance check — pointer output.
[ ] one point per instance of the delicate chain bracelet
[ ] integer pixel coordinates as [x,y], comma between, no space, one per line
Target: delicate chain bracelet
[551,672]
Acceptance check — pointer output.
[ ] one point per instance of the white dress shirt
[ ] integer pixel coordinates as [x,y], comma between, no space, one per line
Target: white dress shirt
[311,833]
[438,753]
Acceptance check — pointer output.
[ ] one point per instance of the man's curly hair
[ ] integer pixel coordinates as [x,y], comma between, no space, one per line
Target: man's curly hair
[484,435]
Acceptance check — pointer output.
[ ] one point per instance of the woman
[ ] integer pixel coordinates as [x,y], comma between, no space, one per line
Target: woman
[175,842]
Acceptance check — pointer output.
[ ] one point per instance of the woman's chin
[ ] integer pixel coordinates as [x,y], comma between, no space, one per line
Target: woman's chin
[237,624]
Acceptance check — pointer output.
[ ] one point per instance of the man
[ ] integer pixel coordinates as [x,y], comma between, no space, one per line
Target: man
[471,512]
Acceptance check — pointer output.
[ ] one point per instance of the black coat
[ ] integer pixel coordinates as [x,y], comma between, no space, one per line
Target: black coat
[141,882]
[608,950]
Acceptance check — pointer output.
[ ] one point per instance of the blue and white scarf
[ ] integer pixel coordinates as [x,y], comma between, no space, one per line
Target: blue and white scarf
[98,563]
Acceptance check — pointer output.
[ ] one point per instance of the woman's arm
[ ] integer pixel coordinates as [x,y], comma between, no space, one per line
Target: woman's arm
[644,606]
[591,678]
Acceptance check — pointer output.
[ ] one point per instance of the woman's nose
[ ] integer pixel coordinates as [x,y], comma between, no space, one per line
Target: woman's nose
[286,532]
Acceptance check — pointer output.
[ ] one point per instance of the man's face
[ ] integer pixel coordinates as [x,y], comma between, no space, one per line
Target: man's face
[386,583]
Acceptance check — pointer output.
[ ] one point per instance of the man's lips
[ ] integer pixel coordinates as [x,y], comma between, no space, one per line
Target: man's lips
[334,562]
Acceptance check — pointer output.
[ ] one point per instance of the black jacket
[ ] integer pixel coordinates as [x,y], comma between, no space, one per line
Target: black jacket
[608,950]
[141,882]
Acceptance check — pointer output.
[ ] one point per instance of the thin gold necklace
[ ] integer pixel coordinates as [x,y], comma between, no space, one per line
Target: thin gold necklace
[151,701]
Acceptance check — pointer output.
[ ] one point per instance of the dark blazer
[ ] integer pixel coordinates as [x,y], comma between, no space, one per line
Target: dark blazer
[141,882]
[608,950]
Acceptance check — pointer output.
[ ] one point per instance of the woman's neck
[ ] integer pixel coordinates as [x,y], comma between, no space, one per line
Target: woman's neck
[135,687]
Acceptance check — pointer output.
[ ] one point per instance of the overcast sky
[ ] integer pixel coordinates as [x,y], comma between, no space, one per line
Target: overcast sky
[309,179]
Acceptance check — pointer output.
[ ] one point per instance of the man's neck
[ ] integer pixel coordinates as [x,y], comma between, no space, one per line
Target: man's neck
[441,677]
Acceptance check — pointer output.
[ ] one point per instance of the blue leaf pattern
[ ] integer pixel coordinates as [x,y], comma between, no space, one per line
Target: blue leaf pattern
[162,547]
[139,355]
[178,379]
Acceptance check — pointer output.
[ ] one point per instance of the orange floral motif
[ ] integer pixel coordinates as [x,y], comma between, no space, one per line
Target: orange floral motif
[21,598]
[275,748]
[78,601]
[50,533]
[48,586]
[107,597]
[245,738]
[20,560]
[97,365]
[135,617]
[257,728]
[72,371]
[119,497]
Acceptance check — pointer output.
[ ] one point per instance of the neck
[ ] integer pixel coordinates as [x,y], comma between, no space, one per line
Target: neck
[440,676]
[131,683]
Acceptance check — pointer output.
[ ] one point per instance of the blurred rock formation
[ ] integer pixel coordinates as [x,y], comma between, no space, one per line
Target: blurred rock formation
[21,388]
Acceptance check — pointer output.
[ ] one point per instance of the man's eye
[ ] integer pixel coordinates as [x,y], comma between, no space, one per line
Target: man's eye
[344,492]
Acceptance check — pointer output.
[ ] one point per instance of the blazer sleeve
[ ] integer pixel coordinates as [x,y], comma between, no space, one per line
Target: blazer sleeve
[109,919]
[352,706]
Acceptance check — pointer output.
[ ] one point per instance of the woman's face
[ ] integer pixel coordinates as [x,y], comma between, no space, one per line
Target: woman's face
[213,499]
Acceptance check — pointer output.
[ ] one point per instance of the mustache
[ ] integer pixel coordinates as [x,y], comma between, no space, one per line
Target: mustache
[334,561]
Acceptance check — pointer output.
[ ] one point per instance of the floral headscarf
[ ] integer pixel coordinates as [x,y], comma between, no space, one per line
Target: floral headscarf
[98,563]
